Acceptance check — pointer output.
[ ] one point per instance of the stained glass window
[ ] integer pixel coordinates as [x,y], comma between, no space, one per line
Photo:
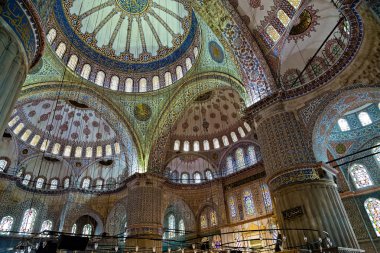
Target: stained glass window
[229,164]
[99,79]
[181,227]
[360,176]
[179,72]
[196,51]
[234,137]
[66,183]
[216,143]
[343,125]
[18,128]
[74,229]
[196,146]
[67,151]
[225,140]
[364,119]
[266,197]
[86,183]
[45,144]
[168,79]
[114,83]
[26,135]
[204,221]
[197,177]
[117,148]
[186,146]
[56,148]
[206,145]
[108,150]
[72,63]
[188,64]
[241,132]
[185,178]
[142,85]
[377,150]
[6,224]
[295,3]
[61,49]
[86,71]
[99,151]
[28,221]
[99,184]
[213,218]
[26,179]
[283,17]
[78,152]
[51,35]
[252,159]
[35,140]
[372,206]
[232,205]
[171,225]
[248,203]
[239,156]
[156,82]
[40,183]
[208,175]
[129,85]
[87,229]
[273,34]
[46,226]
[53,184]
[177,145]
[3,164]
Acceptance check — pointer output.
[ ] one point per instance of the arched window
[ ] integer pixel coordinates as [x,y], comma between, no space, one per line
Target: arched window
[186,146]
[25,135]
[51,35]
[13,121]
[360,176]
[184,178]
[3,164]
[266,197]
[86,71]
[225,141]
[177,145]
[188,64]
[28,221]
[248,203]
[54,184]
[252,159]
[203,221]
[168,79]
[74,229]
[40,182]
[87,229]
[117,148]
[272,33]
[44,145]
[46,226]
[174,175]
[99,151]
[35,140]
[197,177]
[142,85]
[343,125]
[129,85]
[196,52]
[72,63]
[171,225]
[213,218]
[88,152]
[114,83]
[234,137]
[229,164]
[86,183]
[372,206]
[283,17]
[99,184]
[208,175]
[216,143]
[108,150]
[179,72]
[247,126]
[376,152]
[231,203]
[6,224]
[181,227]
[26,179]
[239,157]
[18,128]
[196,146]
[99,79]
[241,132]
[67,151]
[56,148]
[61,49]
[206,145]
[295,3]
[156,82]
[78,152]
[364,119]
[66,183]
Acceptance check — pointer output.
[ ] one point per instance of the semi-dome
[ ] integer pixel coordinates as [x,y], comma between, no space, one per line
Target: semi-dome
[126,45]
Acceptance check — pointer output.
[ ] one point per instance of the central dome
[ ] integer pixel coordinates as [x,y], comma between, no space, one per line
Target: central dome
[132,31]
[133,6]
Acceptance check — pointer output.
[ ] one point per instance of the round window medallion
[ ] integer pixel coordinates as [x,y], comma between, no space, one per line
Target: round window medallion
[216,52]
[142,112]
[134,7]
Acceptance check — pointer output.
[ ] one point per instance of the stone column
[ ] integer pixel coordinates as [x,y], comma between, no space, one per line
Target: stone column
[144,209]
[304,194]
[21,46]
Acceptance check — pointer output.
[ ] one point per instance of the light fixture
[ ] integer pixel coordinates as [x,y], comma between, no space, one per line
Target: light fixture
[137,248]
[116,248]
[154,249]
[96,245]
[169,250]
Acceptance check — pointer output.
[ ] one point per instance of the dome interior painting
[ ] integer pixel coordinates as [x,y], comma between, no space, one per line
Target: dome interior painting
[189,126]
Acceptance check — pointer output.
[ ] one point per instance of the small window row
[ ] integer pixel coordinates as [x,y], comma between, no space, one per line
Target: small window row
[225,140]
[196,178]
[364,119]
[130,85]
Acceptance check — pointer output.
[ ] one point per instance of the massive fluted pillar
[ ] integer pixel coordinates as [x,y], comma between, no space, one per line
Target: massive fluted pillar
[21,45]
[303,190]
